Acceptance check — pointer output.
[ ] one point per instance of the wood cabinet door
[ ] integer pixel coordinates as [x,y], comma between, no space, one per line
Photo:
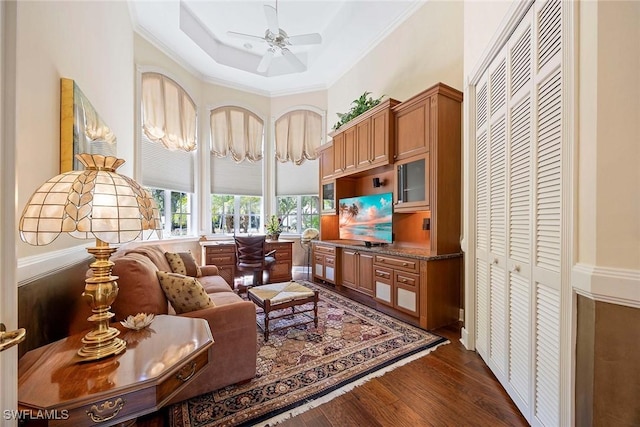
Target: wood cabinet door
[363,144]
[350,149]
[338,153]
[349,268]
[318,266]
[326,163]
[380,144]
[412,130]
[365,273]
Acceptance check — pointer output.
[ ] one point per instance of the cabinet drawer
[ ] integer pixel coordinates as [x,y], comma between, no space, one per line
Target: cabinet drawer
[329,250]
[221,259]
[330,261]
[382,273]
[282,254]
[406,279]
[222,249]
[405,264]
[187,371]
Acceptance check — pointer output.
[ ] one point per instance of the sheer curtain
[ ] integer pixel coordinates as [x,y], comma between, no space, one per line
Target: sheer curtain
[236,131]
[298,135]
[168,113]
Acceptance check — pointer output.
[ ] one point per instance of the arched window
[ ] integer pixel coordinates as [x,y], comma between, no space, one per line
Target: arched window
[298,134]
[168,142]
[238,132]
[168,113]
[237,137]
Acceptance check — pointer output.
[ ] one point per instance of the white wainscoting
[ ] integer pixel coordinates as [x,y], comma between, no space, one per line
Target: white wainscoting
[34,267]
[606,284]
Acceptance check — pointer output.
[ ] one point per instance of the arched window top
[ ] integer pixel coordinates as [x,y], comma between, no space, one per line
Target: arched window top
[298,135]
[236,131]
[168,113]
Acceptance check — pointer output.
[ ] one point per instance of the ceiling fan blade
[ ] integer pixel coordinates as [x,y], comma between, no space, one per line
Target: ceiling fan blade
[313,38]
[245,36]
[272,19]
[265,61]
[293,60]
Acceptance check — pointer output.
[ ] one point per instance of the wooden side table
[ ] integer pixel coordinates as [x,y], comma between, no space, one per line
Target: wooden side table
[56,388]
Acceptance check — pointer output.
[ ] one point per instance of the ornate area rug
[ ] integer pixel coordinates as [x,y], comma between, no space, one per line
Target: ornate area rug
[302,367]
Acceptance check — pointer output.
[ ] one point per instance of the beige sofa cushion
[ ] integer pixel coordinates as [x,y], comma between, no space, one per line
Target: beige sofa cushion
[185,293]
[183,263]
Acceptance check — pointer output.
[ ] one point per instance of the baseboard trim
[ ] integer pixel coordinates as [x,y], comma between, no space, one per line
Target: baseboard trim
[612,285]
[464,339]
[35,267]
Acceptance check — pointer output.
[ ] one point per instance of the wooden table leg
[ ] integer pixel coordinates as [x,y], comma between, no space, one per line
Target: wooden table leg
[267,309]
[315,309]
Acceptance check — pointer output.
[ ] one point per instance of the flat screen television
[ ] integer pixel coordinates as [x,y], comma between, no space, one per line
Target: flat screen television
[367,218]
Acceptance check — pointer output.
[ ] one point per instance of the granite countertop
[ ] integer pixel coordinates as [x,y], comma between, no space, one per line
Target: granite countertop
[405,251]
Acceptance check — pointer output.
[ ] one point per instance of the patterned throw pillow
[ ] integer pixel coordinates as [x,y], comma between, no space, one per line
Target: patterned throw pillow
[183,263]
[185,293]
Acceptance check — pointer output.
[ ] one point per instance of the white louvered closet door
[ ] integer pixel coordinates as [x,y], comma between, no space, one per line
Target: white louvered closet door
[518,198]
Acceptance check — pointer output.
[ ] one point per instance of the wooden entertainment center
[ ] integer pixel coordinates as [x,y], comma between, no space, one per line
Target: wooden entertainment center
[413,149]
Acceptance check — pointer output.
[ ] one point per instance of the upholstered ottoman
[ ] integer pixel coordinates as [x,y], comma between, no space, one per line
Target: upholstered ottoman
[279,296]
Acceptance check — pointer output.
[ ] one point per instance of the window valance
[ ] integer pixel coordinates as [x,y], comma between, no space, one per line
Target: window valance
[236,131]
[168,113]
[298,135]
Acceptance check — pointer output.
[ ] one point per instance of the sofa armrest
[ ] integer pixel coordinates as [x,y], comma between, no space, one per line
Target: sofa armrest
[209,270]
[234,351]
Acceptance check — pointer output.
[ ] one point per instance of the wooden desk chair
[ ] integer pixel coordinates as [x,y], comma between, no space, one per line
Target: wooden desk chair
[251,256]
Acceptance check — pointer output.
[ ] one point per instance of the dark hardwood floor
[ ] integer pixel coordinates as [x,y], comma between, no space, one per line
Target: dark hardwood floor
[451,386]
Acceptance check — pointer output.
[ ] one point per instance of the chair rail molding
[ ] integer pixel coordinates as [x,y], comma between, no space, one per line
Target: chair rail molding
[607,284]
[35,267]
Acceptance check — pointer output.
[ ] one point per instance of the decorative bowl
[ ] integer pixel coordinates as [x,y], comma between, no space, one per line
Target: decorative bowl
[139,321]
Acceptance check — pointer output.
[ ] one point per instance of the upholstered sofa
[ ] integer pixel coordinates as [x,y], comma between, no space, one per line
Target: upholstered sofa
[232,320]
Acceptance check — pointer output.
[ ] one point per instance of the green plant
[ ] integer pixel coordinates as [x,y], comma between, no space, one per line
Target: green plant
[274,225]
[360,105]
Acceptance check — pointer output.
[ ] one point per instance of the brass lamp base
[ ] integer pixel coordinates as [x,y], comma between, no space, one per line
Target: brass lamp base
[100,292]
[97,347]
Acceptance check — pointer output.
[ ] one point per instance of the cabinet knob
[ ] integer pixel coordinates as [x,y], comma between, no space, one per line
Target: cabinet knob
[404,264]
[495,261]
[404,280]
[515,268]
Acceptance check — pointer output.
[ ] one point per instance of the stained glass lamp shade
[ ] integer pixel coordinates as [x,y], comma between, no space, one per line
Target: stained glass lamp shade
[94,203]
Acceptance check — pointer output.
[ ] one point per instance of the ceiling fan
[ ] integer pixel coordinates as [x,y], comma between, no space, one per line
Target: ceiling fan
[278,41]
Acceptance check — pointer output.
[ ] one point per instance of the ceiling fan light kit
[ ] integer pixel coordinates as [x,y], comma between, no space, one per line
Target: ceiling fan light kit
[278,41]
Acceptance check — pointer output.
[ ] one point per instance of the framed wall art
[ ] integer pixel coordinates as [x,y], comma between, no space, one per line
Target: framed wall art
[81,128]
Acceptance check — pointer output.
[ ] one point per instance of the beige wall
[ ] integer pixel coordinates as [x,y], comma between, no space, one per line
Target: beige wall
[481,21]
[424,50]
[617,196]
[66,39]
[608,133]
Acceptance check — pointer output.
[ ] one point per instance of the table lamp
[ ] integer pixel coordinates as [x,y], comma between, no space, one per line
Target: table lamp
[94,203]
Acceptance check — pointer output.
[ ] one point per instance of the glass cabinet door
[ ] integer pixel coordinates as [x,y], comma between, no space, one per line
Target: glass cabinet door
[411,181]
[413,184]
[328,198]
